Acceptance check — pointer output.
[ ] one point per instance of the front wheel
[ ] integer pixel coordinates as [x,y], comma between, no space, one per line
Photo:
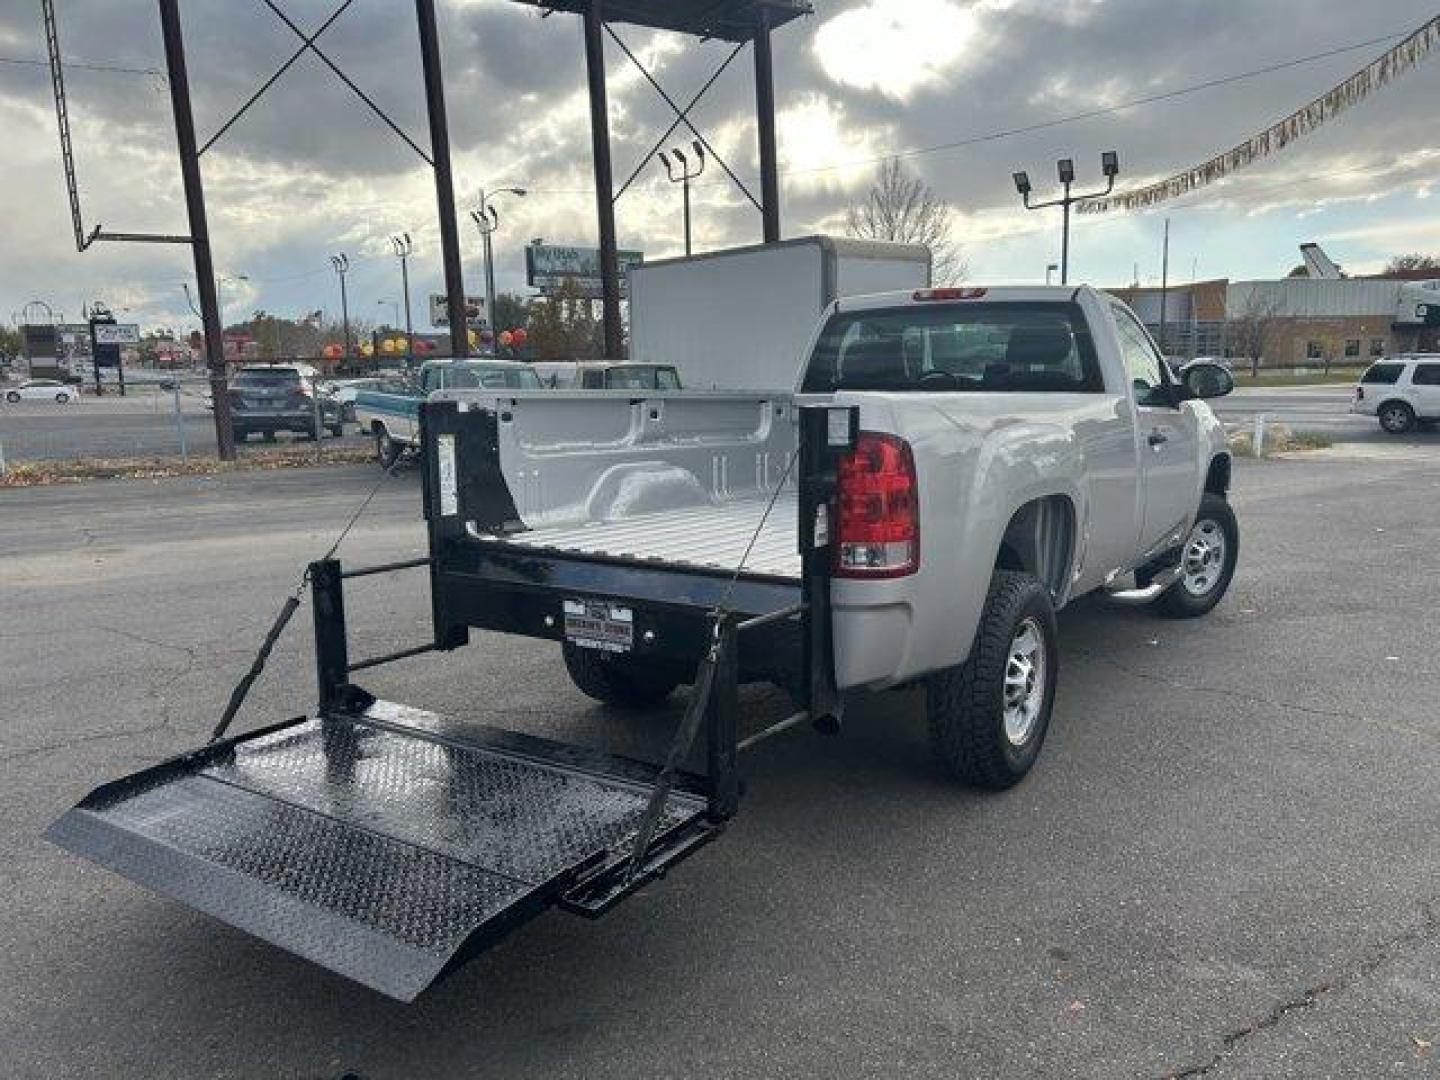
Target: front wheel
[12,397]
[1396,417]
[62,398]
[617,679]
[1208,560]
[387,450]
[988,716]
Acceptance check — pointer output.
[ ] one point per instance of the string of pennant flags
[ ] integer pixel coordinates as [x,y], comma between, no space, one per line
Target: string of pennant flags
[1380,72]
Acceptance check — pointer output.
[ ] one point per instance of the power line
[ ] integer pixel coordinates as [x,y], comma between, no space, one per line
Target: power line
[1088,114]
[30,62]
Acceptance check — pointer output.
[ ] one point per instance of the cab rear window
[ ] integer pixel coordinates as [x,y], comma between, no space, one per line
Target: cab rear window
[1020,347]
[1386,374]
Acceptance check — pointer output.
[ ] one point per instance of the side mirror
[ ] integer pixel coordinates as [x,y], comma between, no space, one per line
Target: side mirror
[1204,379]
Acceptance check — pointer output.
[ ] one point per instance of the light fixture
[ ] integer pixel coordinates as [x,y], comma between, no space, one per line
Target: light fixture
[1022,183]
[1110,163]
[1067,170]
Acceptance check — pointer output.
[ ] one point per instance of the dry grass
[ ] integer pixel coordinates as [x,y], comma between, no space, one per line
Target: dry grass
[36,473]
[1279,439]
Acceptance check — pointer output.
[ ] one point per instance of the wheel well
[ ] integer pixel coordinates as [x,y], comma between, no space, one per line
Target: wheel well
[1040,541]
[377,427]
[1395,401]
[1217,481]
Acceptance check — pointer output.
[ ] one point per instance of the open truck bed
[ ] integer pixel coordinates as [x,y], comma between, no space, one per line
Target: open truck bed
[389,844]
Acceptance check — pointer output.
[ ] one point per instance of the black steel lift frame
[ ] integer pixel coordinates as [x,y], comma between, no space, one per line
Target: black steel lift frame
[390,844]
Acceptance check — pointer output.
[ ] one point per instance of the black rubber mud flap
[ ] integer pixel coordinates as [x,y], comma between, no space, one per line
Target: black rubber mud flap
[380,846]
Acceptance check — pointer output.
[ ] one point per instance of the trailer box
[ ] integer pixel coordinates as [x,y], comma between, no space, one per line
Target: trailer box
[741,319]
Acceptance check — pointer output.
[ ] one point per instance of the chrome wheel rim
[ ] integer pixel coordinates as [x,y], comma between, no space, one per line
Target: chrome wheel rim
[1204,562]
[1024,682]
[1393,419]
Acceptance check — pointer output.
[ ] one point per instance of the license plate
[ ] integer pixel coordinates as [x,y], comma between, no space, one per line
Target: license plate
[597,624]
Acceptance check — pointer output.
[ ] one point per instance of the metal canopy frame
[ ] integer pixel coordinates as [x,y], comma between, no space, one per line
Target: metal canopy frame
[728,20]
[736,21]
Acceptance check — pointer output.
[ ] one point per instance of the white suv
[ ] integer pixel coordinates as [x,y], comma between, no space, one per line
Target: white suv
[1400,392]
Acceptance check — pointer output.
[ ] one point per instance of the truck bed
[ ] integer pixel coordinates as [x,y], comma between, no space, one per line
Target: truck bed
[694,538]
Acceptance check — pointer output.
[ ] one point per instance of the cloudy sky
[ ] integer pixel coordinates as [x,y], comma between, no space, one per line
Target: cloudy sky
[309,171]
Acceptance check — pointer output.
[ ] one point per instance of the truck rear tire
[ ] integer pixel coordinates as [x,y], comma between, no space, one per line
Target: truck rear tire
[616,679]
[1209,555]
[988,716]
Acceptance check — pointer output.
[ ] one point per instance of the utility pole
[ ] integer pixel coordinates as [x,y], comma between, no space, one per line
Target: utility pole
[403,250]
[1164,285]
[444,181]
[179,81]
[487,220]
[1109,165]
[684,177]
[341,263]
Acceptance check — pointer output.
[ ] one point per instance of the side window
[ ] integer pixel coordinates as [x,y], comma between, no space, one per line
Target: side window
[666,379]
[429,380]
[1143,365]
[1426,375]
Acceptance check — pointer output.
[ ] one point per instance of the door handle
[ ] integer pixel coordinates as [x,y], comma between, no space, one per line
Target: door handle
[1157,438]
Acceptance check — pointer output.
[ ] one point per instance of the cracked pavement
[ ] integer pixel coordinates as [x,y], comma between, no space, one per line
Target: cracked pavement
[1224,866]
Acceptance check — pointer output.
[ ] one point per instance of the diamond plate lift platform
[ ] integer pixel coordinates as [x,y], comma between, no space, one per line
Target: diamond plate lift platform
[390,844]
[384,852]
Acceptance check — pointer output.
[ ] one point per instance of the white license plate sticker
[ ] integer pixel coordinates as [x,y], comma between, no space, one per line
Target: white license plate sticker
[598,624]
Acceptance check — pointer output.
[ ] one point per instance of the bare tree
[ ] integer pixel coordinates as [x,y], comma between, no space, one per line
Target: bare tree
[901,207]
[1248,329]
[1401,263]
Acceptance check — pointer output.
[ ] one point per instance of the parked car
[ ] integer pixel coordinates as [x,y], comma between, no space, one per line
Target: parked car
[1400,392]
[594,375]
[391,414]
[345,390]
[266,398]
[42,390]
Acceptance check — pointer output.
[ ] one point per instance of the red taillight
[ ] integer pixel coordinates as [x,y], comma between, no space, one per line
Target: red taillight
[923,295]
[877,526]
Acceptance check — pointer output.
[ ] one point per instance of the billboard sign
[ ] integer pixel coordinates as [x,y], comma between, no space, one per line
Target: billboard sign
[474,311]
[116,333]
[549,267]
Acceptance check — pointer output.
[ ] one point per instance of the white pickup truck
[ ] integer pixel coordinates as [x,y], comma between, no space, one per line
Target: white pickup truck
[1016,448]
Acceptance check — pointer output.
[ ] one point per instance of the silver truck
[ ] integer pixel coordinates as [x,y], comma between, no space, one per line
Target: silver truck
[1017,448]
[951,467]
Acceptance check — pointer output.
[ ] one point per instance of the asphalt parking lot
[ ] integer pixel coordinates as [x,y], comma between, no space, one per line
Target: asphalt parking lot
[1224,865]
[142,424]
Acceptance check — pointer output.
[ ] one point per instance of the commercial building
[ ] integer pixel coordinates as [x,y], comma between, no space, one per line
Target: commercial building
[1293,321]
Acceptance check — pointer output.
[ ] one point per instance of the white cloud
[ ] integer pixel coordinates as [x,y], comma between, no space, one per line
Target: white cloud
[815,134]
[896,48]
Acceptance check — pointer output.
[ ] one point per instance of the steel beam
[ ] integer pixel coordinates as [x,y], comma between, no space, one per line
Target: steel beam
[604,179]
[444,182]
[199,227]
[765,122]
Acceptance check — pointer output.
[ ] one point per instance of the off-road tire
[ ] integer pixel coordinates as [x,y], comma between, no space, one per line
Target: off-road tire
[617,680]
[1177,602]
[1396,417]
[965,704]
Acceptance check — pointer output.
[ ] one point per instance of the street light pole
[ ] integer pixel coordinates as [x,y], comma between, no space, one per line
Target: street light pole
[487,220]
[1110,166]
[341,263]
[684,177]
[403,249]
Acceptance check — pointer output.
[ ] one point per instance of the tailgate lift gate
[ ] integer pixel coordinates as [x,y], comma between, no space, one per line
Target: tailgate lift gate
[390,844]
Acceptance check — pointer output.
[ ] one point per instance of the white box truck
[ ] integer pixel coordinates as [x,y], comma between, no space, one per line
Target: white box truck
[737,319]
